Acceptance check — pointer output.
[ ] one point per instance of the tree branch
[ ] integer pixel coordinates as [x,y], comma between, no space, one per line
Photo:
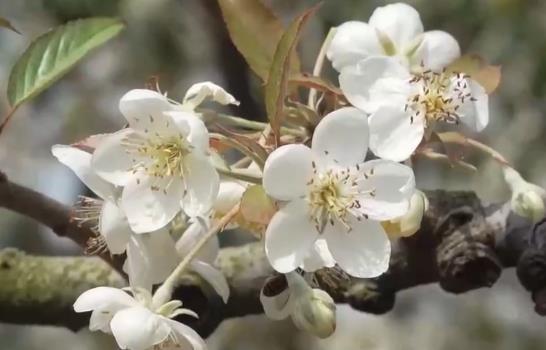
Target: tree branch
[462,245]
[48,211]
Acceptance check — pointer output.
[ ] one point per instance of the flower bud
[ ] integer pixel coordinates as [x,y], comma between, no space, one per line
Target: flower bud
[410,223]
[315,313]
[312,310]
[527,198]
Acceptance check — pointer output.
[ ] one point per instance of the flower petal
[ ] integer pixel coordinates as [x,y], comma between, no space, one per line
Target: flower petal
[319,257]
[144,109]
[364,252]
[213,276]
[341,138]
[475,113]
[80,163]
[113,226]
[110,159]
[229,194]
[103,298]
[400,22]
[287,171]
[437,50]
[276,307]
[197,93]
[201,182]
[393,134]
[151,203]
[192,235]
[151,257]
[185,336]
[375,82]
[352,42]
[137,328]
[196,133]
[100,320]
[289,236]
[392,184]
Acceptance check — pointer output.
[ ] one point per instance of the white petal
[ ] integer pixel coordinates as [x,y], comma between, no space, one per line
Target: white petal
[393,134]
[476,113]
[201,182]
[287,171]
[100,320]
[113,226]
[392,184]
[276,307]
[192,235]
[144,109]
[151,203]
[289,236]
[104,298]
[319,257]
[151,257]
[213,276]
[230,194]
[137,328]
[341,138]
[437,50]
[80,163]
[196,133]
[375,82]
[363,252]
[400,22]
[186,337]
[197,93]
[110,159]
[352,42]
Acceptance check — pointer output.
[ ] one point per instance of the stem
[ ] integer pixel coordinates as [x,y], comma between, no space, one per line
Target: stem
[489,150]
[231,120]
[319,63]
[164,293]
[240,174]
[7,118]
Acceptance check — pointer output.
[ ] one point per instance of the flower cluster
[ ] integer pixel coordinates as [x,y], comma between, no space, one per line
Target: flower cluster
[317,198]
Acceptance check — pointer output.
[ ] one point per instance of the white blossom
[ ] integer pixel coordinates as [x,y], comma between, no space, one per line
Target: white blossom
[410,223]
[403,106]
[392,30]
[150,256]
[328,192]
[229,195]
[311,309]
[135,322]
[161,159]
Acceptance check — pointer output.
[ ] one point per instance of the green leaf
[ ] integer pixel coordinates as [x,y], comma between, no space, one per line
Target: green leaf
[255,31]
[7,24]
[52,54]
[279,72]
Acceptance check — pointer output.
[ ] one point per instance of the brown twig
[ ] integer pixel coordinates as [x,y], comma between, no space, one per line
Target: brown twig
[49,212]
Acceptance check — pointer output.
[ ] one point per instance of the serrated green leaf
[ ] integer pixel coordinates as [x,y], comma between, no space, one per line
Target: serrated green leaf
[52,54]
[277,83]
[7,24]
[255,32]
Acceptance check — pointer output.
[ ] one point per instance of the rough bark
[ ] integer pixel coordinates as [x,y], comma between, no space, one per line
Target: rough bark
[462,245]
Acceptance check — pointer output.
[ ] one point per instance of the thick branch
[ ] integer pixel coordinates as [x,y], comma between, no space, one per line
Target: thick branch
[49,212]
[462,245]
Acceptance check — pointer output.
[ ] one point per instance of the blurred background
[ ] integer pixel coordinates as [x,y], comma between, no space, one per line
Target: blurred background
[183,42]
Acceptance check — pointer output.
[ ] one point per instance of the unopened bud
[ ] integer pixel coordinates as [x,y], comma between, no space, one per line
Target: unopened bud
[315,313]
[527,198]
[410,223]
[312,310]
